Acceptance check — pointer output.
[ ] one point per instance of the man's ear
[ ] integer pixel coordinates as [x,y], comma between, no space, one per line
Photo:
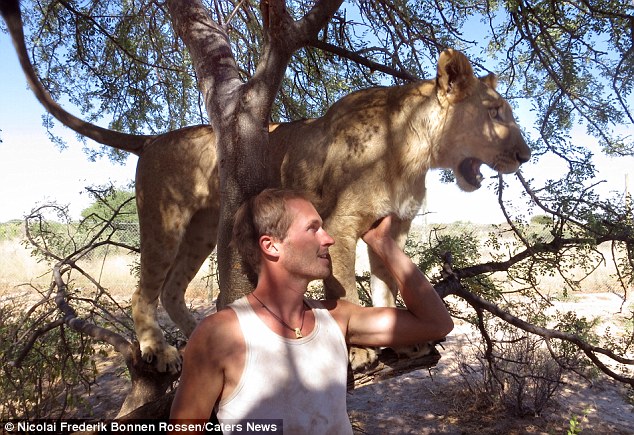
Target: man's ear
[268,245]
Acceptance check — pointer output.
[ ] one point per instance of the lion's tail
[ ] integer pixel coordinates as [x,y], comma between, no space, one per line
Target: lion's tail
[10,11]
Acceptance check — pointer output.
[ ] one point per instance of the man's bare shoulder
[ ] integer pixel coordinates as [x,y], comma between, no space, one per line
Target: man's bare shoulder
[341,311]
[338,305]
[217,335]
[223,316]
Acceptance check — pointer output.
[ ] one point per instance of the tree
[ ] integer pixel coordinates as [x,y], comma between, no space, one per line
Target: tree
[107,200]
[143,66]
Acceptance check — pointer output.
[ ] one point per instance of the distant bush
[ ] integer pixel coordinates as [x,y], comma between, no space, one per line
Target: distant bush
[12,230]
[542,220]
[107,201]
[515,372]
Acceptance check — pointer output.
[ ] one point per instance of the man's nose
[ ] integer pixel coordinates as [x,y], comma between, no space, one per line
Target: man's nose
[327,240]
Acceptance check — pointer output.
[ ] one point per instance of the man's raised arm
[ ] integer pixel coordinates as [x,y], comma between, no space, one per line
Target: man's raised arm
[426,317]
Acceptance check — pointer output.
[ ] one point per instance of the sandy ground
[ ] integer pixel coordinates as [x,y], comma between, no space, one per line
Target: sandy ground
[436,402]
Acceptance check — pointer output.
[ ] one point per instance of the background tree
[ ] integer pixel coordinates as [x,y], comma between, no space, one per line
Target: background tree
[107,199]
[143,66]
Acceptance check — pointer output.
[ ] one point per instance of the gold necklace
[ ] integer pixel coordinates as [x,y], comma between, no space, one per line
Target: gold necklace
[297,331]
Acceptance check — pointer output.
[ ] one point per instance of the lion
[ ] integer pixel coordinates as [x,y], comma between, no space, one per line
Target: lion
[365,158]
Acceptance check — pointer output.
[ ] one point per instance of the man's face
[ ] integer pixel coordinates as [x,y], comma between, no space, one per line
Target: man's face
[305,248]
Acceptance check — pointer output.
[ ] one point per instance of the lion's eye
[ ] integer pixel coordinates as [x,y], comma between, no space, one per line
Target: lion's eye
[494,112]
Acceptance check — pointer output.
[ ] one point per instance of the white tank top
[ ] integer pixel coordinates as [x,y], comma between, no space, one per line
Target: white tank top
[299,381]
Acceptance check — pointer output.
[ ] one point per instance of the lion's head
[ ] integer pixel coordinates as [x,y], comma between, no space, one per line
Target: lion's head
[480,128]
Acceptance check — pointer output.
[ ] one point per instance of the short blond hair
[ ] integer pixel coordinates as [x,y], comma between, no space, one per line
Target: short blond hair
[263,214]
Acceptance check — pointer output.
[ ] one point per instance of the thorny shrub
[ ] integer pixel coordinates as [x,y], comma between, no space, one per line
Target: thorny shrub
[48,367]
[521,372]
[52,377]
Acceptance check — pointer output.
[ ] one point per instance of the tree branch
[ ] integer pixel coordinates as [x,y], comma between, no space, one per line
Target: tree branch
[307,29]
[452,285]
[33,338]
[119,343]
[114,41]
[208,44]
[347,54]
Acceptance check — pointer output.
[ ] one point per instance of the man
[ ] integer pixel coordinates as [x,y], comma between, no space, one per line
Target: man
[276,355]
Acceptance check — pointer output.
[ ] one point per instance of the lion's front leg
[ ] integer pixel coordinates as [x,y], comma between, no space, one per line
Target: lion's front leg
[383,287]
[342,283]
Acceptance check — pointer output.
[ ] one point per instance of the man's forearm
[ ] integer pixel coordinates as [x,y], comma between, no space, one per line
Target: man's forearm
[420,297]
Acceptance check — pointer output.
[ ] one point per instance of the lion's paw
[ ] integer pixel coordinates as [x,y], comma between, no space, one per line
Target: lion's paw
[362,357]
[164,357]
[415,351]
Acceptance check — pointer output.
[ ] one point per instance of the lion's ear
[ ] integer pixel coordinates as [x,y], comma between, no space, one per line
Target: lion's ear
[491,80]
[455,75]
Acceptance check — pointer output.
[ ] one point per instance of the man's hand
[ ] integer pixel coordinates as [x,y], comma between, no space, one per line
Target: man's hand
[379,236]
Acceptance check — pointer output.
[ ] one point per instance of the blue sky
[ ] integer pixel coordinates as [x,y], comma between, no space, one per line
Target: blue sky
[33,170]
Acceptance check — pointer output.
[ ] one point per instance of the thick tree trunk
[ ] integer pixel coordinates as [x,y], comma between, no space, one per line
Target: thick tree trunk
[240,112]
[243,174]
[148,385]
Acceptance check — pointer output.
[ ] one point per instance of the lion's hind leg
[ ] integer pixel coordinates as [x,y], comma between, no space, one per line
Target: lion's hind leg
[159,247]
[198,242]
[154,349]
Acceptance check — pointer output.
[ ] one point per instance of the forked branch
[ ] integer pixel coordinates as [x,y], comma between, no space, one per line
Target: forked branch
[452,285]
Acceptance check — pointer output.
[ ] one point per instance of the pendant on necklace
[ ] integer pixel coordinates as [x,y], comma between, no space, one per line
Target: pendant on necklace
[298,333]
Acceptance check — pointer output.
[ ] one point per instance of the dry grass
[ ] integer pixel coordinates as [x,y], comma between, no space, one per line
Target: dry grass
[18,267]
[113,271]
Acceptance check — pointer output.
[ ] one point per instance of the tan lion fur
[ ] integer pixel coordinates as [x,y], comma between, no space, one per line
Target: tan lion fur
[366,157]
